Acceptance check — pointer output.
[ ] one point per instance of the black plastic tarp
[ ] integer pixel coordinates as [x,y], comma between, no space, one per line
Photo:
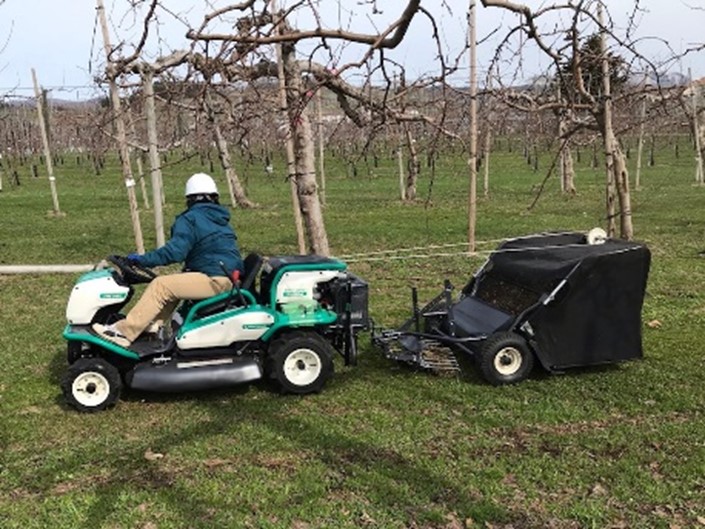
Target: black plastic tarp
[596,315]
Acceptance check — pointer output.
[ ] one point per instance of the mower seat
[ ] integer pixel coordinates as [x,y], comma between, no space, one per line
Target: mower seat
[473,317]
[252,265]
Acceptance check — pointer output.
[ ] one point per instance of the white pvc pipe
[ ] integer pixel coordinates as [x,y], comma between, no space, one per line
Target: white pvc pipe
[44,269]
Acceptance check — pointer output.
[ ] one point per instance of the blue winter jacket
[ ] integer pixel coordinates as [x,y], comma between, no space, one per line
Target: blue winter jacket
[201,238]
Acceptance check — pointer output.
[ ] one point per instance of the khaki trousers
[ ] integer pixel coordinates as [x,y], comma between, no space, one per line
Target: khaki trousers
[162,296]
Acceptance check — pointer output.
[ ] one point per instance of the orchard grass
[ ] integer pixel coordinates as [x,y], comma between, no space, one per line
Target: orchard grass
[382,445]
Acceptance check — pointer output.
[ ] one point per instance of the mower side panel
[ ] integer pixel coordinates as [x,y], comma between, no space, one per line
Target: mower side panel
[305,318]
[223,329]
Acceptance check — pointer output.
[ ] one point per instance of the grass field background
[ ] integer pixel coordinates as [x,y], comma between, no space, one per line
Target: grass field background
[381,446]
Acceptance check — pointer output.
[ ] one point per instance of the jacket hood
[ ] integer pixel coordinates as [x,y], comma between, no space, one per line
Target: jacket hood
[214,212]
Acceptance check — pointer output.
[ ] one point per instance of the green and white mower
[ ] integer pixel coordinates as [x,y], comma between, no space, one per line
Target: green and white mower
[284,321]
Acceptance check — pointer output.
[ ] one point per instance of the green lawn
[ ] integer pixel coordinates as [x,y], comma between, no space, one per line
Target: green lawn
[381,446]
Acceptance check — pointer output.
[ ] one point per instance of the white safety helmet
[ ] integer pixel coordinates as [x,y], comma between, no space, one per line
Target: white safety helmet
[200,184]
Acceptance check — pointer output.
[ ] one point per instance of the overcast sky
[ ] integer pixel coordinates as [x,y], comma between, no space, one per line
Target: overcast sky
[60,39]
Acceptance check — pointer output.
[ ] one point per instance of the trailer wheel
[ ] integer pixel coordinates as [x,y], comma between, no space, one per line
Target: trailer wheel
[505,358]
[91,384]
[300,362]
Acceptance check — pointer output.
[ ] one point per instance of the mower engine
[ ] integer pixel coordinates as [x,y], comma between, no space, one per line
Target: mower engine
[302,286]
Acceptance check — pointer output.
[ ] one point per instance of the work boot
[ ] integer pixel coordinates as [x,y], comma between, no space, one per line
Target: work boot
[112,334]
[154,328]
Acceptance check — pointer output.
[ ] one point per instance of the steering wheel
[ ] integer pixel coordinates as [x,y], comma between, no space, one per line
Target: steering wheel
[132,273]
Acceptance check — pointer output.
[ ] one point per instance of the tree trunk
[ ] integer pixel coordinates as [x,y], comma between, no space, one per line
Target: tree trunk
[412,171]
[617,174]
[237,193]
[305,160]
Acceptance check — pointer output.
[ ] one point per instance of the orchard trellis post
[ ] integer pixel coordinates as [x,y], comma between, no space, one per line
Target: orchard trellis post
[640,144]
[400,163]
[155,166]
[321,146]
[289,140]
[567,169]
[472,158]
[694,97]
[45,144]
[124,150]
[487,142]
[138,162]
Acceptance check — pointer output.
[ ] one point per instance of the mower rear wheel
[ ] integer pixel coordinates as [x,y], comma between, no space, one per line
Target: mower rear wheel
[91,384]
[505,358]
[300,362]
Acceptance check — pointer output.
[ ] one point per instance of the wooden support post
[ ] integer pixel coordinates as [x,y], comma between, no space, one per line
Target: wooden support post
[321,146]
[290,156]
[138,161]
[699,176]
[640,146]
[45,143]
[155,166]
[472,158]
[400,163]
[124,150]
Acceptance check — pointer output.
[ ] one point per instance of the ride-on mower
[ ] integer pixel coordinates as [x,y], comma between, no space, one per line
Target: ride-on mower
[283,320]
[561,300]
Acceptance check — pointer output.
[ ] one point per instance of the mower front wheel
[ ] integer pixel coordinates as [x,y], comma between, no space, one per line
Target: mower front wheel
[505,358]
[300,362]
[91,384]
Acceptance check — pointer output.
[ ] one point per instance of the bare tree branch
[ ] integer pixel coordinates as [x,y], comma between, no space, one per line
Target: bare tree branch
[389,38]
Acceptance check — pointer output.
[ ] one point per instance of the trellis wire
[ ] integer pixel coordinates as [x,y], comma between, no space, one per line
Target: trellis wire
[384,255]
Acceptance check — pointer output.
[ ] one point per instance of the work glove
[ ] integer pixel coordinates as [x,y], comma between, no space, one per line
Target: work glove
[134,258]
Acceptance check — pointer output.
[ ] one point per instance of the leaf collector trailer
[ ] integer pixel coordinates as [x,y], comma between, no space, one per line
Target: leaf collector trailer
[560,300]
[551,299]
